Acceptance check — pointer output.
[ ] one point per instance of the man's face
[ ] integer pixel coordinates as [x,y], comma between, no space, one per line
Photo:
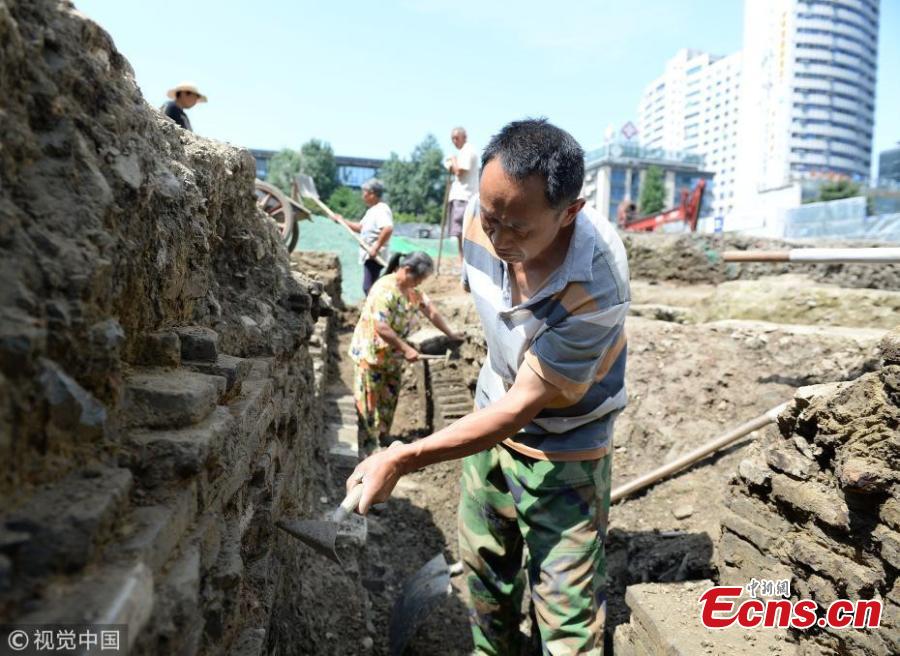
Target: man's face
[187,99]
[458,139]
[516,215]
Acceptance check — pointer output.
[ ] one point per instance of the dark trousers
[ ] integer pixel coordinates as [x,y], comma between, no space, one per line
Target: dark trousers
[371,271]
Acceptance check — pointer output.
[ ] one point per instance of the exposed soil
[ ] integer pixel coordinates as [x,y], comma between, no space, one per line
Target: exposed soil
[687,384]
[792,298]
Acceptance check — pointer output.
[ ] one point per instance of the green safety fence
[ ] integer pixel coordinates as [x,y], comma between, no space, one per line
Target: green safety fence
[322,234]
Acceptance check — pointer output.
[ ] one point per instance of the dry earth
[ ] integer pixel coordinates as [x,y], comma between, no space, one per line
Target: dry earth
[687,383]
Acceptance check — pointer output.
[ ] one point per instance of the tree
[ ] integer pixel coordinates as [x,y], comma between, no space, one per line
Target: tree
[838,189]
[416,186]
[653,191]
[315,158]
[283,166]
[347,202]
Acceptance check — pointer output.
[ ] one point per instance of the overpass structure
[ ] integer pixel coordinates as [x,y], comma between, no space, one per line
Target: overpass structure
[352,171]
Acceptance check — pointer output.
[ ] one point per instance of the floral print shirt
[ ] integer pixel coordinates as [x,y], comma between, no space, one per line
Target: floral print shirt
[385,303]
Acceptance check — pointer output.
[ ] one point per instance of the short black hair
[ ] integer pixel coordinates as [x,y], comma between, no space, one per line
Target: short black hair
[535,146]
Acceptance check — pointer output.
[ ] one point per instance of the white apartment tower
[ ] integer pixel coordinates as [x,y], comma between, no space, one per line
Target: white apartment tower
[693,107]
[809,90]
[797,101]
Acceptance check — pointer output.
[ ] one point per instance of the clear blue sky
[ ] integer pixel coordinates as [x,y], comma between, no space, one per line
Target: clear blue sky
[376,77]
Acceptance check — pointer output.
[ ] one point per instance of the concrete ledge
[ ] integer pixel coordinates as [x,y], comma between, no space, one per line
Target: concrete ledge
[665,621]
[121,594]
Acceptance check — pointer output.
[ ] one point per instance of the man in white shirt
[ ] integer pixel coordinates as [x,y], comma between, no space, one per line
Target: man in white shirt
[376,228]
[464,167]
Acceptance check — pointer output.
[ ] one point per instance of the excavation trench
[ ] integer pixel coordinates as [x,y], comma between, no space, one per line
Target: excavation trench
[687,383]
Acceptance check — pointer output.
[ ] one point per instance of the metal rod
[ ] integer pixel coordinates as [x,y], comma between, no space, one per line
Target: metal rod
[697,454]
[443,223]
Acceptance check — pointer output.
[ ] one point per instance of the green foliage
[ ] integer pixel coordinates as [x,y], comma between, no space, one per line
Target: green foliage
[653,192]
[404,217]
[347,202]
[315,158]
[416,186]
[283,166]
[837,190]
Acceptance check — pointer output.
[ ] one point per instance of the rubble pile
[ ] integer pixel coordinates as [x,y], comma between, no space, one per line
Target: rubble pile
[157,399]
[325,266]
[819,505]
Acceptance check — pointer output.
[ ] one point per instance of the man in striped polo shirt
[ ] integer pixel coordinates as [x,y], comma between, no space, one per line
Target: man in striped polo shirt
[550,283]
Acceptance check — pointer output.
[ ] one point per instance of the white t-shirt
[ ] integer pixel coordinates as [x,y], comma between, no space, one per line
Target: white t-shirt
[466,184]
[376,218]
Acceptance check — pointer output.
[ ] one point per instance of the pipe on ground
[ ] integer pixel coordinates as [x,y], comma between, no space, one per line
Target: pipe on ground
[818,255]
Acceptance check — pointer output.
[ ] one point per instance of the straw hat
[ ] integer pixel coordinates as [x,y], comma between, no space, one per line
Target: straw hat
[186,86]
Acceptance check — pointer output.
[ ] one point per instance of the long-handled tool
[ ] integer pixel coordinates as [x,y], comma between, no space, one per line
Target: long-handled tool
[444,215]
[307,188]
[697,454]
[818,255]
[320,534]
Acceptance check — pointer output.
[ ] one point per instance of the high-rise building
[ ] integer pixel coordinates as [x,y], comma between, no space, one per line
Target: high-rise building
[808,97]
[693,107]
[796,103]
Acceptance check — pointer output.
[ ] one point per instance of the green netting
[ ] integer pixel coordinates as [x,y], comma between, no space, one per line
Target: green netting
[430,246]
[322,234]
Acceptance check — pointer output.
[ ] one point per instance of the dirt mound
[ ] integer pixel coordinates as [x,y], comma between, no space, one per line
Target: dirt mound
[157,401]
[697,259]
[116,223]
[789,298]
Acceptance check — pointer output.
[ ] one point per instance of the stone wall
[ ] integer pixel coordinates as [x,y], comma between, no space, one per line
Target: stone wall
[158,402]
[821,505]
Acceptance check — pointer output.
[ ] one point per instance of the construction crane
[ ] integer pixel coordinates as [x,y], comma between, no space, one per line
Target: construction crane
[687,212]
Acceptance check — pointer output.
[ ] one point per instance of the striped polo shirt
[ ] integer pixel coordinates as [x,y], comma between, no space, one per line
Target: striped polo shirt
[571,333]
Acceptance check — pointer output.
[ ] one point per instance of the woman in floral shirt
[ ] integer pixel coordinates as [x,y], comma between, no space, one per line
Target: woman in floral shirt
[378,348]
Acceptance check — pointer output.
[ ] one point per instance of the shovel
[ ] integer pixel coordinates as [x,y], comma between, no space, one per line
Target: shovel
[320,534]
[307,189]
[422,593]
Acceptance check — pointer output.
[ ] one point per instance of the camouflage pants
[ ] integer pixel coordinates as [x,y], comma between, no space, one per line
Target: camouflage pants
[559,511]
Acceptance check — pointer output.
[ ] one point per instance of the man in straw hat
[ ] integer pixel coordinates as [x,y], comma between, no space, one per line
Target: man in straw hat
[184,96]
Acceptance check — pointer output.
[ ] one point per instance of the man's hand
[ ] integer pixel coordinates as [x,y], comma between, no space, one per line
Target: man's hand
[337,218]
[378,474]
[455,337]
[410,354]
[372,252]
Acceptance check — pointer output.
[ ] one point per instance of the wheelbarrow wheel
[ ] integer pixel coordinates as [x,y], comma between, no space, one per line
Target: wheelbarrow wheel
[295,235]
[275,204]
